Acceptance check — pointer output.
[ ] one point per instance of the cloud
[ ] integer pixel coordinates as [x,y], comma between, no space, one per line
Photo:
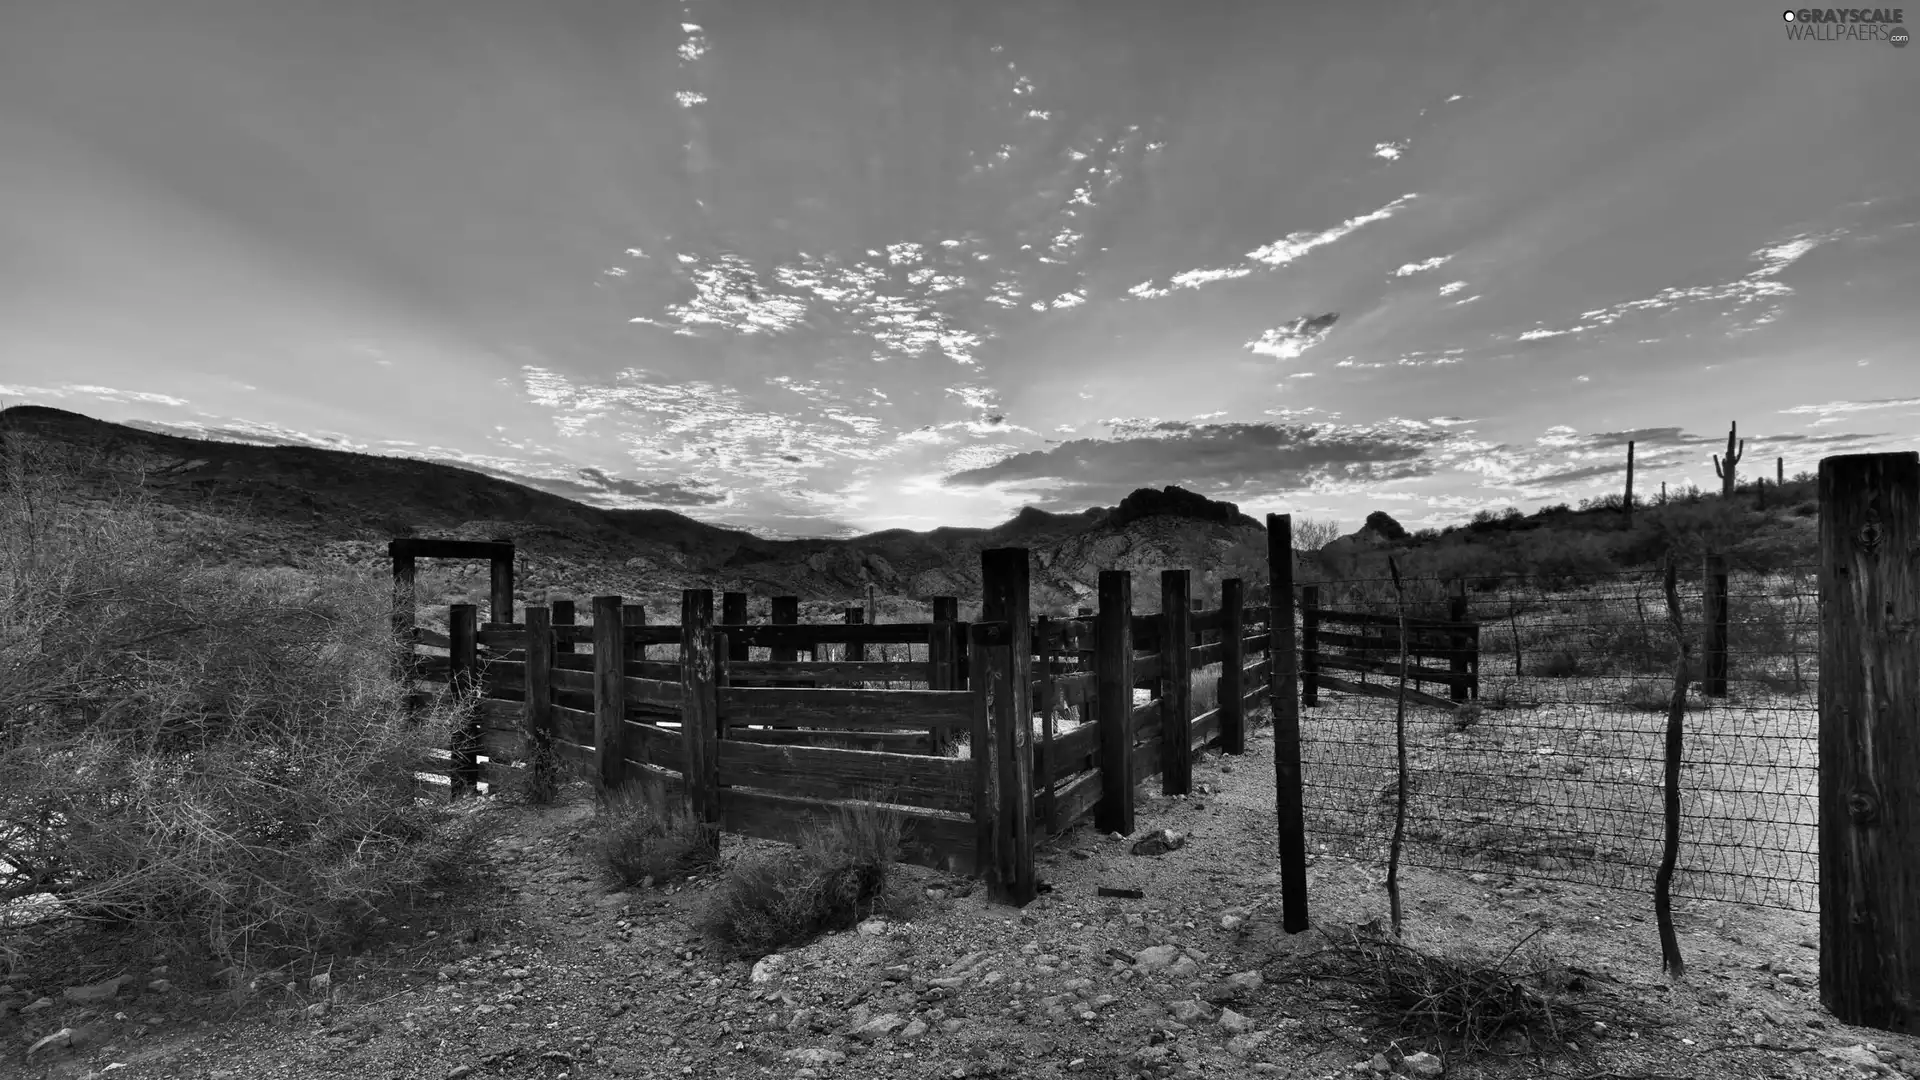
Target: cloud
[1391,151]
[1452,287]
[1267,256]
[1835,408]
[104,393]
[1412,268]
[1288,340]
[1215,459]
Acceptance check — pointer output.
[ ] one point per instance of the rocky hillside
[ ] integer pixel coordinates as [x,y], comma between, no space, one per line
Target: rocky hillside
[285,505]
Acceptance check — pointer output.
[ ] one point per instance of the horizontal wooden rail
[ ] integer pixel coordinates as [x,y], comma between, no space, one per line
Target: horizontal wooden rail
[834,708]
[1423,646]
[885,742]
[1202,655]
[1418,697]
[1075,752]
[1368,618]
[1415,673]
[805,635]
[830,673]
[933,783]
[942,841]
[1072,802]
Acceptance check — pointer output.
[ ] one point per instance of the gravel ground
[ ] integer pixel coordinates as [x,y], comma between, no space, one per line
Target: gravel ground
[538,970]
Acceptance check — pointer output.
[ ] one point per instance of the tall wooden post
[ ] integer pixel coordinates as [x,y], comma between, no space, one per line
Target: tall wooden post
[1004,583]
[1309,645]
[785,612]
[1627,506]
[947,609]
[562,616]
[1176,683]
[1289,799]
[538,717]
[609,689]
[1233,700]
[406,600]
[463,669]
[1457,640]
[1780,471]
[942,651]
[699,707]
[500,603]
[1714,684]
[1870,740]
[733,612]
[1113,701]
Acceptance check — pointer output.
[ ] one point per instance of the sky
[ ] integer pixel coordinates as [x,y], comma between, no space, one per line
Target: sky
[819,267]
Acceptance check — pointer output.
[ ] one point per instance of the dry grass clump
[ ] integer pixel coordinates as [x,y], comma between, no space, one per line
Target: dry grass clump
[640,839]
[841,873]
[1463,1001]
[200,755]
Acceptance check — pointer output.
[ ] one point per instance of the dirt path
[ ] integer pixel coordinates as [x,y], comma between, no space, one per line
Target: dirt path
[541,971]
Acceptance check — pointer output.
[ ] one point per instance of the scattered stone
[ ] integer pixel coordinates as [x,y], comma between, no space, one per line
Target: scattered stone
[1859,1057]
[1422,1064]
[1156,957]
[814,1055]
[914,1029]
[159,986]
[1244,1046]
[95,993]
[1245,982]
[320,983]
[880,1026]
[1190,1012]
[1160,842]
[1233,1023]
[873,927]
[763,969]
[43,1003]
[1233,918]
[1183,968]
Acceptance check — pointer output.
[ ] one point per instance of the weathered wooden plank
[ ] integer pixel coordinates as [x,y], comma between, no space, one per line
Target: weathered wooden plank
[801,636]
[933,783]
[431,638]
[1147,667]
[1254,643]
[1259,672]
[1004,596]
[650,744]
[609,688]
[1145,713]
[573,725]
[657,693]
[1417,697]
[699,692]
[1146,759]
[580,682]
[1201,622]
[426,665]
[1259,695]
[1075,689]
[496,714]
[1205,729]
[941,841]
[1416,644]
[1415,673]
[1146,633]
[836,708]
[1075,750]
[1075,800]
[832,673]
[1176,684]
[886,742]
[1390,622]
[1203,655]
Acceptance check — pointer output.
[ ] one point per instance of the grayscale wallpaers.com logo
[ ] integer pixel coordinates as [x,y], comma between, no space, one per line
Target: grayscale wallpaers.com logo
[1847,24]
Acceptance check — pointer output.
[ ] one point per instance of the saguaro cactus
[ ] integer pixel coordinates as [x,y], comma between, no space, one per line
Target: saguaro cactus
[1725,473]
[1627,505]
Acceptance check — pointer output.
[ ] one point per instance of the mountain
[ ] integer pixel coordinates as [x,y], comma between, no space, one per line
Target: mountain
[292,505]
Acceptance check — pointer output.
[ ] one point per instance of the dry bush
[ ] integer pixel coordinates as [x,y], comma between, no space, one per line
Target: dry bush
[841,873]
[1459,1001]
[640,839]
[199,755]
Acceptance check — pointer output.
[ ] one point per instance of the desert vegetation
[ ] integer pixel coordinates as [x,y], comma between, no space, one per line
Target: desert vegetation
[204,759]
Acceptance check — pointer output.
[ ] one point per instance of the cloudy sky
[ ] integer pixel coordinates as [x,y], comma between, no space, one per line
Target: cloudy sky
[817,266]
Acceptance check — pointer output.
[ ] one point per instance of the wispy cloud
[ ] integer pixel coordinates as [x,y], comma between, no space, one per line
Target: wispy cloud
[1288,340]
[1412,268]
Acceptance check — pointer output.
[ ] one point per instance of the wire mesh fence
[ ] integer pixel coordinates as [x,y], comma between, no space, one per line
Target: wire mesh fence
[1553,769]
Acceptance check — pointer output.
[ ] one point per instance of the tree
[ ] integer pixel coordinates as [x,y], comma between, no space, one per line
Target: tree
[1311,534]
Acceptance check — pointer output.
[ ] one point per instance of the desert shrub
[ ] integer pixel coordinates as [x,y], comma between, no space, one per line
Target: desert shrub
[841,873]
[1647,695]
[1558,664]
[1565,560]
[638,838]
[196,754]
[1806,509]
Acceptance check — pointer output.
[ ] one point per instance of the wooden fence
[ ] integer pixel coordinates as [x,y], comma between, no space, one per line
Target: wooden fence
[1370,644]
[760,746]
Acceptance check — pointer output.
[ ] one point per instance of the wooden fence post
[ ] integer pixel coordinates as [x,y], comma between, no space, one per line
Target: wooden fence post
[1113,701]
[947,609]
[609,688]
[562,616]
[539,705]
[1309,645]
[857,651]
[1870,740]
[1715,627]
[405,600]
[942,652]
[1233,701]
[634,615]
[1457,640]
[1004,584]
[1176,682]
[463,666]
[699,705]
[1043,749]
[500,605]
[733,612]
[786,612]
[1289,801]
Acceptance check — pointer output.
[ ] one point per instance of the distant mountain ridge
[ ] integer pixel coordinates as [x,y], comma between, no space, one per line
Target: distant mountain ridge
[297,500]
